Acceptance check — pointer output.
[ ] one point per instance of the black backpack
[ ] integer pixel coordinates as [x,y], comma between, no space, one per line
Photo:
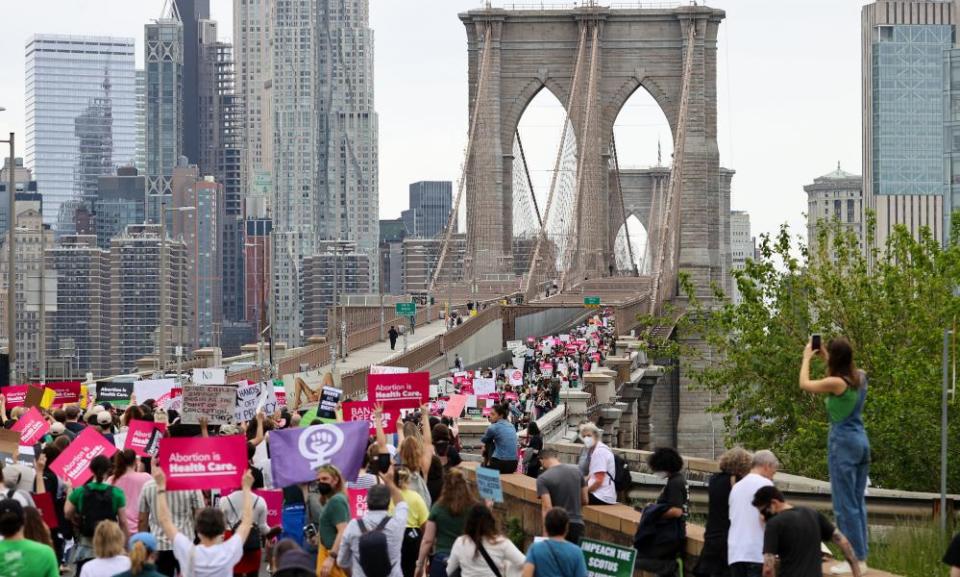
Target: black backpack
[621,473]
[374,555]
[97,506]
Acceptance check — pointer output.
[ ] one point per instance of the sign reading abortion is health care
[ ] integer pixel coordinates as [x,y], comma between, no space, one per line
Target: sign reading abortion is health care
[203,463]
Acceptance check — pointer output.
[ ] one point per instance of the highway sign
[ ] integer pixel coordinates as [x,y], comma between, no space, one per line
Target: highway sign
[406,309]
[591,302]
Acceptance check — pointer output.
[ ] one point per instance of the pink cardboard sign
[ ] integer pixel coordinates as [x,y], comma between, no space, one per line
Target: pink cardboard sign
[274,501]
[15,395]
[455,406]
[358,502]
[31,426]
[511,396]
[138,435]
[393,411]
[73,464]
[399,387]
[203,463]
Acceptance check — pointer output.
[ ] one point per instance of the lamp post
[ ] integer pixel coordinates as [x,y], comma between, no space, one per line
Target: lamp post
[11,269]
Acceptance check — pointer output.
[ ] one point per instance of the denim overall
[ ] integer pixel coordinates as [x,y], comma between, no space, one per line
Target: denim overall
[848,460]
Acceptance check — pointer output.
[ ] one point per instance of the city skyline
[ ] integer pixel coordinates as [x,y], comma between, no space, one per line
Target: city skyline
[760,100]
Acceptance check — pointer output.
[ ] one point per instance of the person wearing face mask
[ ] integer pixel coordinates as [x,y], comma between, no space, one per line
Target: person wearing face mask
[793,536]
[597,466]
[333,520]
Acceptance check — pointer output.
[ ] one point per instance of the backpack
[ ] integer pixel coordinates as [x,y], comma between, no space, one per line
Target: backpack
[621,473]
[254,541]
[372,550]
[97,506]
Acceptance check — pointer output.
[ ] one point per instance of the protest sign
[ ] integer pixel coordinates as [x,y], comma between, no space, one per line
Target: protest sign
[274,501]
[329,397]
[463,378]
[138,435]
[34,397]
[73,464]
[515,377]
[484,386]
[518,362]
[488,484]
[160,390]
[247,397]
[295,454]
[607,560]
[434,391]
[9,441]
[280,394]
[46,401]
[203,462]
[117,394]
[64,393]
[455,406]
[399,386]
[31,426]
[44,503]
[384,370]
[15,395]
[153,444]
[546,368]
[215,402]
[393,411]
[358,502]
[209,376]
[474,412]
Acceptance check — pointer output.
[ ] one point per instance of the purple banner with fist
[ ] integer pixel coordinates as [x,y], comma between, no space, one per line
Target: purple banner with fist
[295,454]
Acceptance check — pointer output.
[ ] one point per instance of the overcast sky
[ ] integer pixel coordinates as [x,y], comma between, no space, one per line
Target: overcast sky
[789,92]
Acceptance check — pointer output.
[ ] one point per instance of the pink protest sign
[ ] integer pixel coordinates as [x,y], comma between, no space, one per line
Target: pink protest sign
[65,393]
[73,464]
[203,463]
[398,387]
[358,502]
[15,395]
[546,369]
[274,501]
[462,379]
[393,411]
[138,435]
[281,396]
[455,406]
[511,396]
[32,427]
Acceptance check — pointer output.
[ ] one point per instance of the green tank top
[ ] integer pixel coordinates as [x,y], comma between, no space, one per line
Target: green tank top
[840,406]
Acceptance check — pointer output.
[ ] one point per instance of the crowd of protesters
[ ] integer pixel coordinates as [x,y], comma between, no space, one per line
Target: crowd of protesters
[423,517]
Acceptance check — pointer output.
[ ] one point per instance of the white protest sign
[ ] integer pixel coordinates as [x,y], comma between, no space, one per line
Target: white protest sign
[209,376]
[217,403]
[158,389]
[384,370]
[252,397]
[484,386]
[471,401]
[518,362]
[515,377]
[434,391]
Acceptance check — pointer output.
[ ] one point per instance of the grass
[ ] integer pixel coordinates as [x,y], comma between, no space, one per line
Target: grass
[909,550]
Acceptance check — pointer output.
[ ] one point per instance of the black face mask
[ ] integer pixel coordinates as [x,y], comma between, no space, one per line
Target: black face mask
[383,462]
[324,488]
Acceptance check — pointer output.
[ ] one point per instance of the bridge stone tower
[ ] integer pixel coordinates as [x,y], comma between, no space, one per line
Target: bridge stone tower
[636,48]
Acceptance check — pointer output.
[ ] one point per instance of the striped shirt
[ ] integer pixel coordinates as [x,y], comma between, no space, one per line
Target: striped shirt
[183,505]
[364,481]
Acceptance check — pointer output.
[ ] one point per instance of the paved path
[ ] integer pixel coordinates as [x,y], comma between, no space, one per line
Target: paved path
[380,353]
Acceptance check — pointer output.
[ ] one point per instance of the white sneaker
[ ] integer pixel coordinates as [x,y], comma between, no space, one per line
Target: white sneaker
[845,569]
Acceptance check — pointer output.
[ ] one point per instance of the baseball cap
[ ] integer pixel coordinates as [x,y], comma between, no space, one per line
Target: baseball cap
[104,418]
[148,540]
[11,506]
[57,429]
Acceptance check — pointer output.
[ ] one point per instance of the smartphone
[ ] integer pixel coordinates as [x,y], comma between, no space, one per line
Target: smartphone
[310,531]
[815,343]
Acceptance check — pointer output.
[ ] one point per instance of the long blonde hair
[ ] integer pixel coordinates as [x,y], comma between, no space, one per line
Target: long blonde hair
[108,540]
[139,555]
[411,454]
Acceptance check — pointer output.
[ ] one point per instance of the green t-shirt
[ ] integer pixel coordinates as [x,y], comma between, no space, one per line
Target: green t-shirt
[839,407]
[25,558]
[337,510]
[449,527]
[76,497]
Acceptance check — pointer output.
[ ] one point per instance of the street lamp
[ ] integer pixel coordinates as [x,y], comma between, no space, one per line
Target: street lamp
[11,272]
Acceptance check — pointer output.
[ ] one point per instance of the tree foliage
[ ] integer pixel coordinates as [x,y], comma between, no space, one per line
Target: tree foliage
[893,305]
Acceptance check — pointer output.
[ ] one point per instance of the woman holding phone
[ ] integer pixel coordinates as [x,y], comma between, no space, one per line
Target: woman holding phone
[848,449]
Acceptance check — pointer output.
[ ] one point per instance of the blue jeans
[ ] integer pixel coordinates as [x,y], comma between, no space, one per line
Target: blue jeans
[438,565]
[848,460]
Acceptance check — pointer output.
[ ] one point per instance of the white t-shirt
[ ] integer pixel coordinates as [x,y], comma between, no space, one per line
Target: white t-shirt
[745,540]
[107,567]
[201,561]
[602,462]
[503,553]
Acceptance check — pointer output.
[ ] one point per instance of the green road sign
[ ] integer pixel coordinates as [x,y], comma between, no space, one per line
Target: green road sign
[607,560]
[591,301]
[406,309]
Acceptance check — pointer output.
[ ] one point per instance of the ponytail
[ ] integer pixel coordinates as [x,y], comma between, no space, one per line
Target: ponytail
[138,557]
[122,462]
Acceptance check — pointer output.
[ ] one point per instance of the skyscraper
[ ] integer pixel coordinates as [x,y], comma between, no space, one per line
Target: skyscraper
[741,245]
[191,13]
[904,45]
[325,142]
[120,202]
[163,54]
[221,156]
[430,205]
[835,196]
[140,160]
[80,113]
[252,28]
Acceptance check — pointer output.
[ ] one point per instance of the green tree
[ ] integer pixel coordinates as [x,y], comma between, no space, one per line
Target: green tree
[893,305]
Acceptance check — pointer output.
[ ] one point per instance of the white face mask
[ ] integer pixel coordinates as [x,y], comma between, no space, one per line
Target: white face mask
[588,442]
